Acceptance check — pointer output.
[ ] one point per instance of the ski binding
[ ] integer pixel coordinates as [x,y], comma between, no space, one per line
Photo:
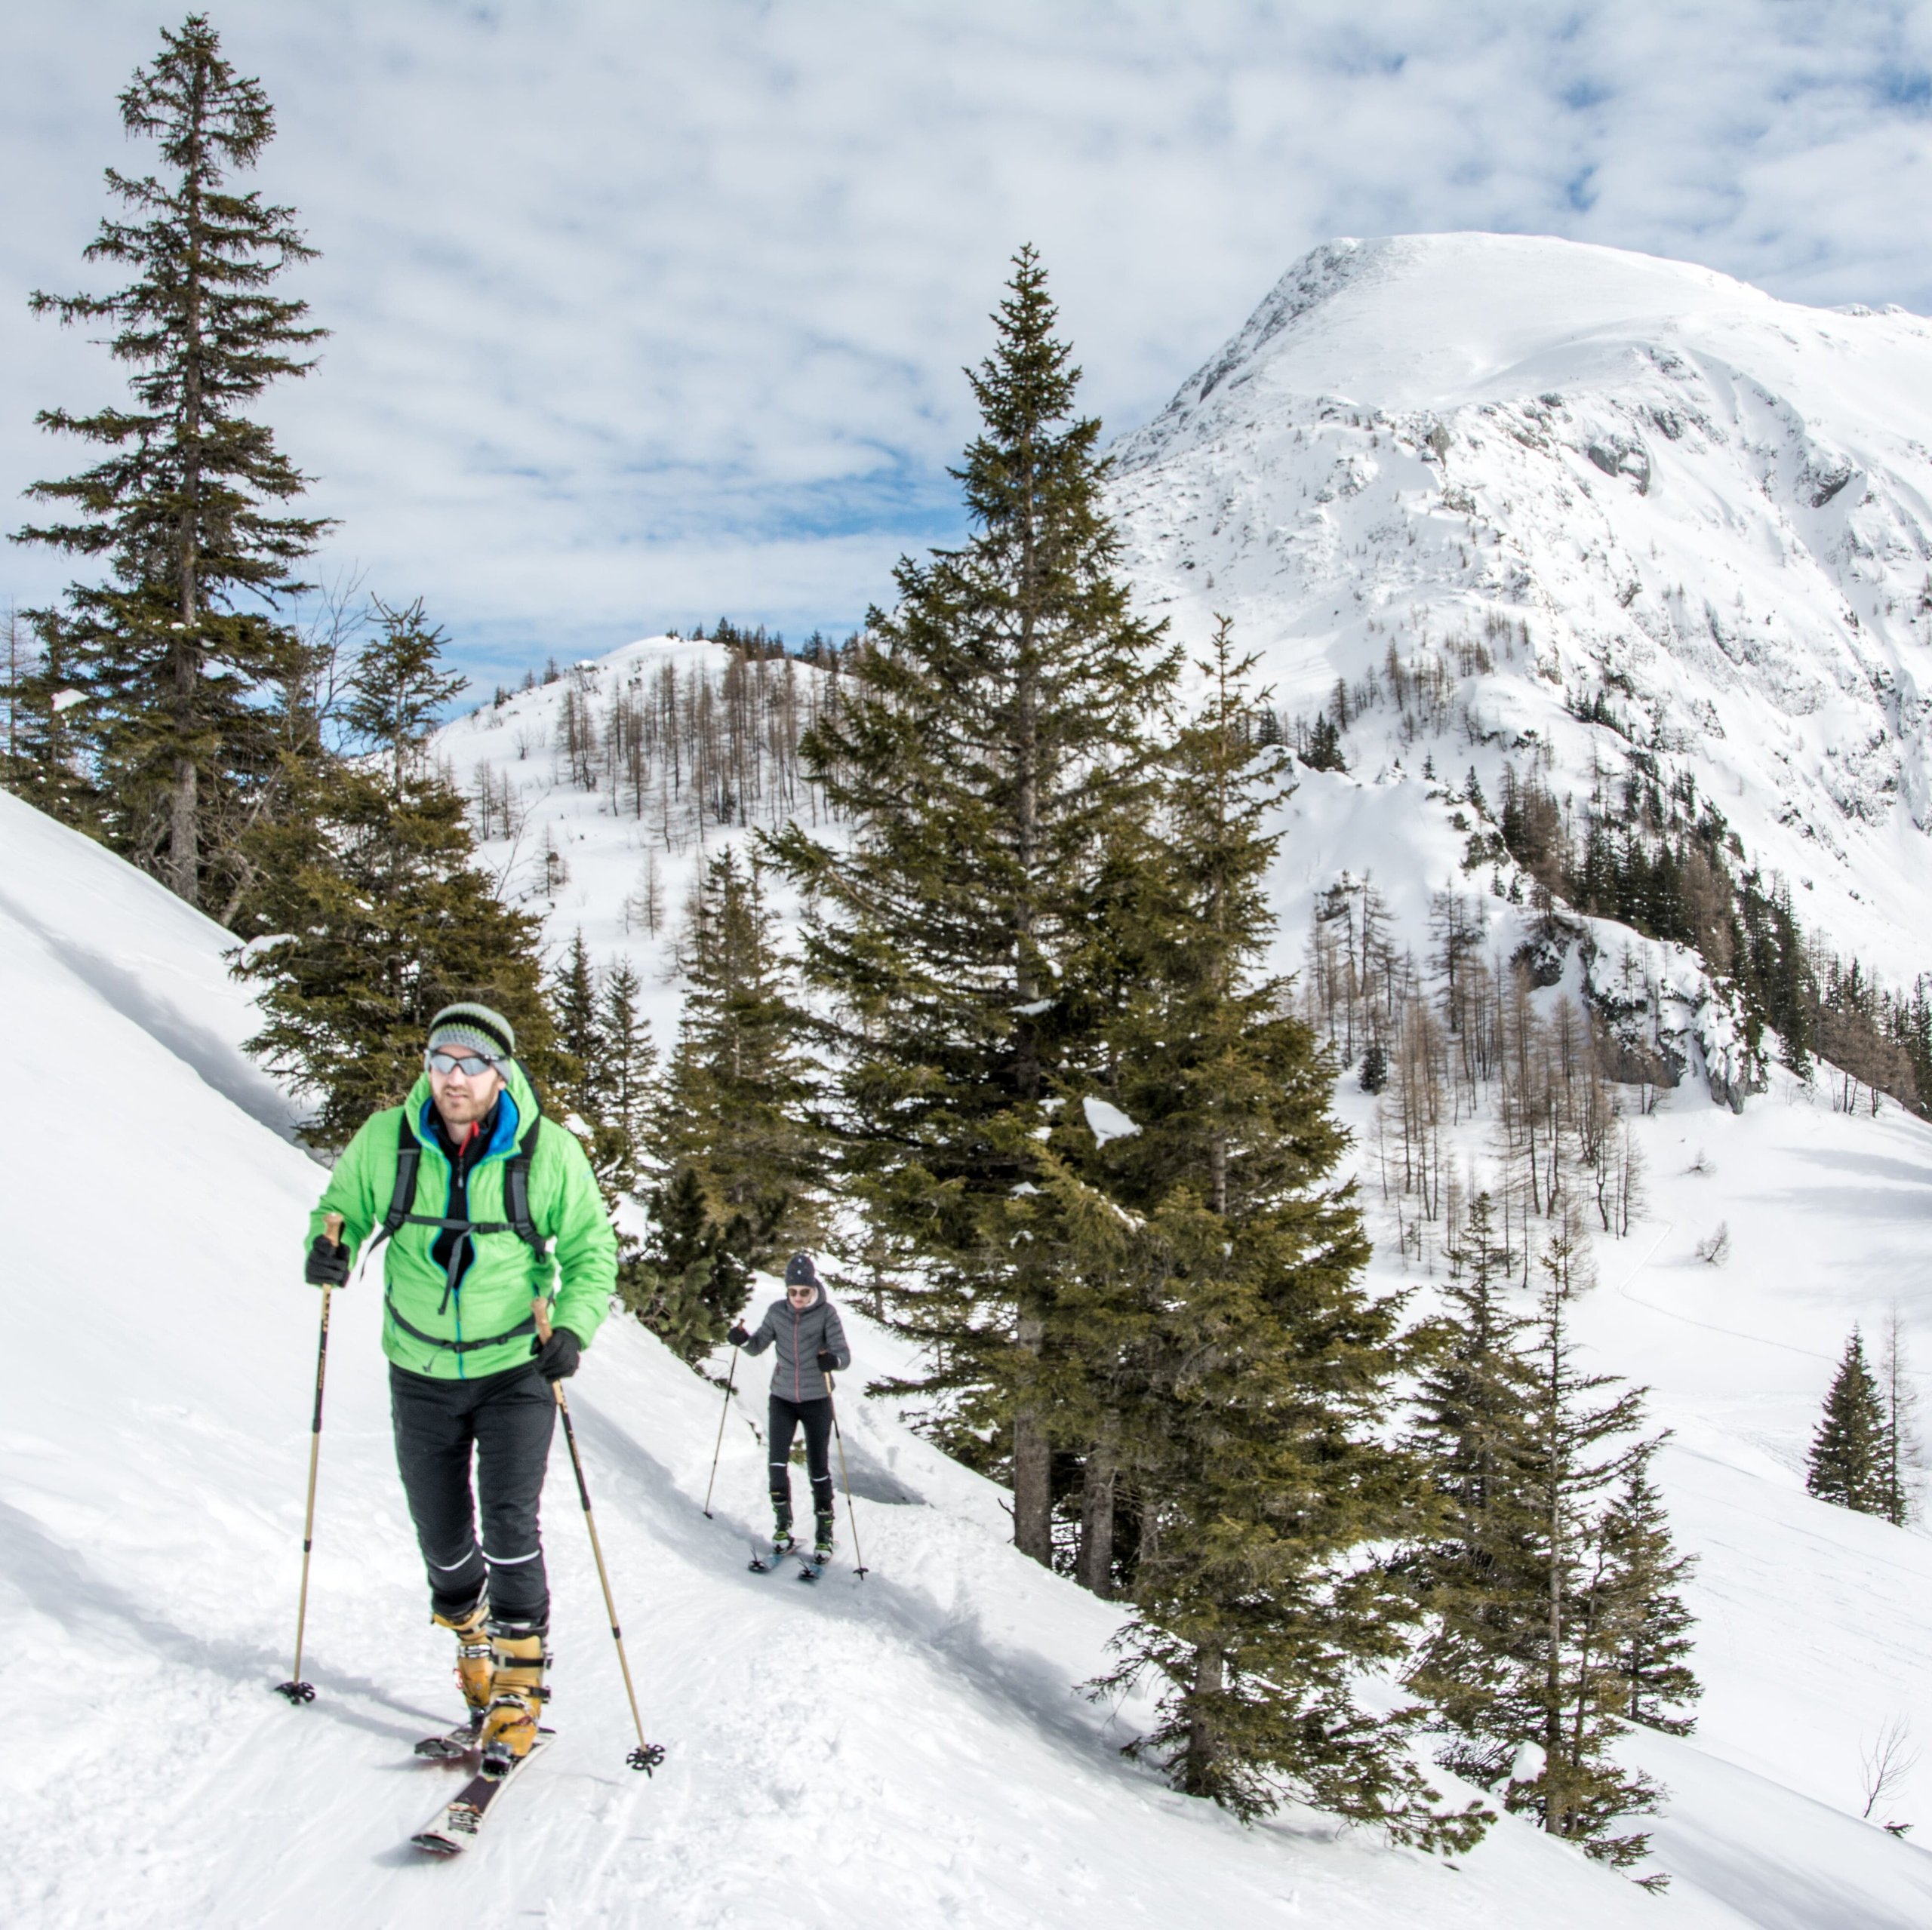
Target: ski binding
[466,1739]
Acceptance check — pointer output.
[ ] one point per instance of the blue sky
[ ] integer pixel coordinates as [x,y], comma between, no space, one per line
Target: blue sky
[645,312]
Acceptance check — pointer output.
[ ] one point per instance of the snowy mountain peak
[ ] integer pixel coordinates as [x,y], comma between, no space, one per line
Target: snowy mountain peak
[1639,516]
[1436,321]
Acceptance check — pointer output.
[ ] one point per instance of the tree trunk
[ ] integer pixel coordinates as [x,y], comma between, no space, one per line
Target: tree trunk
[184,801]
[1204,1745]
[1096,1519]
[1555,1780]
[184,865]
[1032,1461]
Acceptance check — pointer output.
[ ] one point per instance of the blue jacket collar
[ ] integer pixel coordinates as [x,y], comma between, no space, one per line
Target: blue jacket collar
[501,1140]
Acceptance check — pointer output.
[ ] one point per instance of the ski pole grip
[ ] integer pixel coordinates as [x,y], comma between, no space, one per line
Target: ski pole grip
[539,1311]
[332,1226]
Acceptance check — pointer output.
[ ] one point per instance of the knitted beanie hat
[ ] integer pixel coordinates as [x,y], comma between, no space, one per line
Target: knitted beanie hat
[799,1271]
[475,1028]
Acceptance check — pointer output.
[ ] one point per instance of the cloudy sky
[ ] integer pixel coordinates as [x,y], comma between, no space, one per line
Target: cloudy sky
[647,311]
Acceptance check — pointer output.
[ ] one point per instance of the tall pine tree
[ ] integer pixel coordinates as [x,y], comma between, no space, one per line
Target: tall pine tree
[1247,1381]
[1478,1570]
[990,737]
[1653,1652]
[188,508]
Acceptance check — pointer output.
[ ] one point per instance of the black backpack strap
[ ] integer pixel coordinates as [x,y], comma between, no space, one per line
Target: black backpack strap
[516,1191]
[408,1159]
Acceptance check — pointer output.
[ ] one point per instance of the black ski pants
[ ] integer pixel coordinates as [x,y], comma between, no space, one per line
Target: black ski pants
[787,1416]
[506,1421]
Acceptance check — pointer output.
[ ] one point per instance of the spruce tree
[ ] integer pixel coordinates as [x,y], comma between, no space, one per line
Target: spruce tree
[400,690]
[1572,1694]
[1325,746]
[1246,1378]
[1654,1654]
[188,508]
[1848,1461]
[1551,1577]
[990,737]
[1374,1064]
[739,1165]
[627,1057]
[590,1062]
[376,916]
[574,1010]
[685,1283]
[1478,1571]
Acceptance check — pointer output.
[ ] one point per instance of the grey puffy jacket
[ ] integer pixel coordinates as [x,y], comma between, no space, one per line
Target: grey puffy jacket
[798,1336]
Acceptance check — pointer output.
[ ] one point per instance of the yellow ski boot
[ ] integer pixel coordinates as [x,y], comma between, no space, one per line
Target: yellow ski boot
[475,1657]
[517,1695]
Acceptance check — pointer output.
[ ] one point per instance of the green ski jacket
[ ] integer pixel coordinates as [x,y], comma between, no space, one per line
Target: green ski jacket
[429,1326]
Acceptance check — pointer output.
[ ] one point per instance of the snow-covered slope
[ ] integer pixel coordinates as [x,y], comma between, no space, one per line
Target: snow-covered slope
[909,1749]
[1610,477]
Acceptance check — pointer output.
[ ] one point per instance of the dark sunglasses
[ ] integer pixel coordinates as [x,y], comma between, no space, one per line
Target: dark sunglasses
[799,1292]
[466,1063]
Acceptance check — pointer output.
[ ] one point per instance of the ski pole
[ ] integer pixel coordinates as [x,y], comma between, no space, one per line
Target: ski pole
[717,1447]
[646,1755]
[845,1474]
[295,1688]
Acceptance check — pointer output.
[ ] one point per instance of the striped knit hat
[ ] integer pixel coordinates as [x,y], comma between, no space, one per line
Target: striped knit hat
[476,1029]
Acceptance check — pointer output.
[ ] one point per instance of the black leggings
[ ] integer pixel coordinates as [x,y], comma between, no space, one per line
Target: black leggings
[817,1417]
[506,1420]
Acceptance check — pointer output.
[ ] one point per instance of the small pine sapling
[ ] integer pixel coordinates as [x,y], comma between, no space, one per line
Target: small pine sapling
[1848,1458]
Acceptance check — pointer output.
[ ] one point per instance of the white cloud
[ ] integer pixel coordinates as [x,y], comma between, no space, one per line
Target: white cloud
[646,311]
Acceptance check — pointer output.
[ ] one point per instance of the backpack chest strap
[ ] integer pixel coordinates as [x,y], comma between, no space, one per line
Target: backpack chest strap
[516,1193]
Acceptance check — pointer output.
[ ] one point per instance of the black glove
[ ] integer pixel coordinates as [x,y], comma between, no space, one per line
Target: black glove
[557,1357]
[327,1263]
[738,1336]
[827,1360]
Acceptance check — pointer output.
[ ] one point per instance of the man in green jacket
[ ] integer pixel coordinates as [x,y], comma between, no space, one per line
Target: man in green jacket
[503,1212]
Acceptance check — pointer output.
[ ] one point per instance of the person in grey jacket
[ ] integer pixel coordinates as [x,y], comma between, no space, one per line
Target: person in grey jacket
[809,1342]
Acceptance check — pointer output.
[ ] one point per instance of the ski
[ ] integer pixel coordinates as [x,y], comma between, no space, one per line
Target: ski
[453,1745]
[812,1566]
[455,1826]
[767,1558]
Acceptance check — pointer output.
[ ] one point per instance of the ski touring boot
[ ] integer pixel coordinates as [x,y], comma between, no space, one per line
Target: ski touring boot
[764,1559]
[517,1695]
[812,1566]
[475,1665]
